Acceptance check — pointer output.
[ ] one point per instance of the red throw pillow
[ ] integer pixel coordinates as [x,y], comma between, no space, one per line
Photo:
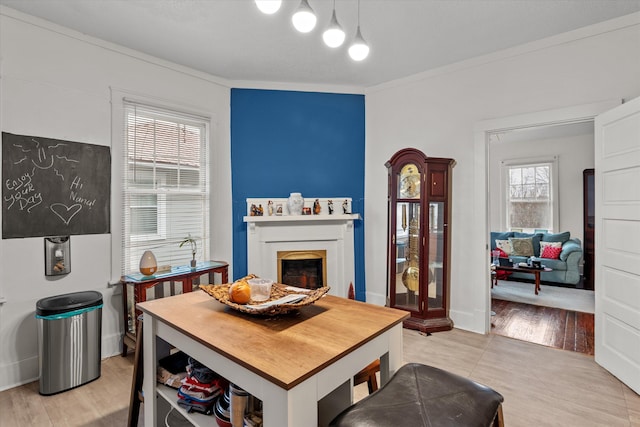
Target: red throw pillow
[551,253]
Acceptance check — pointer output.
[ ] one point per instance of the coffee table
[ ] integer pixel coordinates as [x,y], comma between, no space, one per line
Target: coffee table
[535,271]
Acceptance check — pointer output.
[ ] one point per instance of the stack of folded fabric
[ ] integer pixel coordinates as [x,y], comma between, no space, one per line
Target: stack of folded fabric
[172,369]
[200,388]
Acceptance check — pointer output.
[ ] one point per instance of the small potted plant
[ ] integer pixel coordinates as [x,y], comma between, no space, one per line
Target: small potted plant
[194,248]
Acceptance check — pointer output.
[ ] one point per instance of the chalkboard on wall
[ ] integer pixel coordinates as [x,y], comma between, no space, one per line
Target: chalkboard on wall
[54,187]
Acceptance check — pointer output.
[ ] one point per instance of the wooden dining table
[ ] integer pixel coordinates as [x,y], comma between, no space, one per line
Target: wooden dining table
[300,364]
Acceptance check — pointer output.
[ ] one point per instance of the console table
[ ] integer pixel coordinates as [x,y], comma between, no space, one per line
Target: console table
[140,283]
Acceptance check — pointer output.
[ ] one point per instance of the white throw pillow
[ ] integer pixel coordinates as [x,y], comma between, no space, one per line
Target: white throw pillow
[505,245]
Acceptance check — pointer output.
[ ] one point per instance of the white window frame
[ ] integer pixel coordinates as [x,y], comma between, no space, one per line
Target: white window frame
[118,98]
[553,190]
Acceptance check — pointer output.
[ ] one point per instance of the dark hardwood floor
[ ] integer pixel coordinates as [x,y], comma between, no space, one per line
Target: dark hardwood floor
[551,327]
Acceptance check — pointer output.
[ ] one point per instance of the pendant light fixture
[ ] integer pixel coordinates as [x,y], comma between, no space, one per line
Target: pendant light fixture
[269,7]
[359,49]
[334,35]
[304,20]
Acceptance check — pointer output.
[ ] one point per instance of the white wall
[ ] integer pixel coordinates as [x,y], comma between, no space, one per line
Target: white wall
[437,111]
[574,154]
[57,83]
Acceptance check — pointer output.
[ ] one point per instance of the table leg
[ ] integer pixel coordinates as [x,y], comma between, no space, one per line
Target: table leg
[537,274]
[149,368]
[187,285]
[139,295]
[125,311]
[297,407]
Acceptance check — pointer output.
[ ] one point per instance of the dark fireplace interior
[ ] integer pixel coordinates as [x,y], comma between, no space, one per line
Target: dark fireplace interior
[303,273]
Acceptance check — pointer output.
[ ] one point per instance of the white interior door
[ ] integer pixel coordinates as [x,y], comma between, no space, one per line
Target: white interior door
[617,242]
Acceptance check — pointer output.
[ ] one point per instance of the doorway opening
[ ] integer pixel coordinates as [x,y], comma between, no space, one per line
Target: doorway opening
[484,131]
[533,200]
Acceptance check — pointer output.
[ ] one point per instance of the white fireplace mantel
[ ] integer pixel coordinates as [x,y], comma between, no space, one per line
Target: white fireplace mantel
[267,235]
[342,218]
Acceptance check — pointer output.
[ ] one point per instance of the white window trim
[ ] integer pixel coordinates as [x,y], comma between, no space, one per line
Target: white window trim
[504,183]
[118,96]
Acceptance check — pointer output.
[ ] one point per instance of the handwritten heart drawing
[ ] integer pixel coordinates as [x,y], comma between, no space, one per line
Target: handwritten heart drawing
[65,212]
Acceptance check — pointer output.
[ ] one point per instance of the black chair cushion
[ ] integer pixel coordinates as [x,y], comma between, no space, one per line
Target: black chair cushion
[420,395]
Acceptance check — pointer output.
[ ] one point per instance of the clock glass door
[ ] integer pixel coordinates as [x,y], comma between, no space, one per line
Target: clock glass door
[407,295]
[435,288]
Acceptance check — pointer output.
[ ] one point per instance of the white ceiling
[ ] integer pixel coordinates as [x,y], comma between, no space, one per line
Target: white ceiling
[233,40]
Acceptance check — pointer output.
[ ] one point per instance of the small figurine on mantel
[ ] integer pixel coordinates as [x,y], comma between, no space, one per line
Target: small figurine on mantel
[345,207]
[330,207]
[316,207]
[270,207]
[256,210]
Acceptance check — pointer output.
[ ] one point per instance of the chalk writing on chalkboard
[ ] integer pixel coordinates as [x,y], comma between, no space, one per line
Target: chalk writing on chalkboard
[54,187]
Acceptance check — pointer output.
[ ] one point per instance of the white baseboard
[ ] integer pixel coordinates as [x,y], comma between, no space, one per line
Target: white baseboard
[472,322]
[19,373]
[27,370]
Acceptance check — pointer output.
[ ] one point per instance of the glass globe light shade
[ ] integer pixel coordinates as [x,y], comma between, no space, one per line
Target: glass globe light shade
[148,263]
[269,7]
[333,36]
[359,49]
[304,20]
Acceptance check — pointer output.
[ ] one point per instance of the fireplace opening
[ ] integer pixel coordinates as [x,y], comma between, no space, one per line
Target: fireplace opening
[304,269]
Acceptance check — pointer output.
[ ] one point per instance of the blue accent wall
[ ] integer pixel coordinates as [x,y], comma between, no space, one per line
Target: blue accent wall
[306,142]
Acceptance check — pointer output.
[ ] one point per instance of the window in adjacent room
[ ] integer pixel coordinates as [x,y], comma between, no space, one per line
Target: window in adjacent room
[530,191]
[165,185]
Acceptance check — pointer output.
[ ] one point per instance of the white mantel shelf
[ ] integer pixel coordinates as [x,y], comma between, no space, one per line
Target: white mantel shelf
[302,218]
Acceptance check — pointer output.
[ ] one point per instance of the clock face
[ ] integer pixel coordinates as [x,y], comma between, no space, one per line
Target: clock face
[409,182]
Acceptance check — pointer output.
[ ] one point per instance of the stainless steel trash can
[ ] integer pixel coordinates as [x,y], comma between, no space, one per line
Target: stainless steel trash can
[69,340]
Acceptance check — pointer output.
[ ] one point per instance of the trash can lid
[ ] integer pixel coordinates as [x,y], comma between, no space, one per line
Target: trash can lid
[68,302]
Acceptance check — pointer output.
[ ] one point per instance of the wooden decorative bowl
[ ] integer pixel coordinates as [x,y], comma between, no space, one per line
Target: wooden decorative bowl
[278,290]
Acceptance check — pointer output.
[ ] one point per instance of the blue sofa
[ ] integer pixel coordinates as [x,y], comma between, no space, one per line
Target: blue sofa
[566,270]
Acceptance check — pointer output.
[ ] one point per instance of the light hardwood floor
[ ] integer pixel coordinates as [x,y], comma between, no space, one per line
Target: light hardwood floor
[542,386]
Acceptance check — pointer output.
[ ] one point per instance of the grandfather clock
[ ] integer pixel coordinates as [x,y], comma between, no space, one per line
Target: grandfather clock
[419,199]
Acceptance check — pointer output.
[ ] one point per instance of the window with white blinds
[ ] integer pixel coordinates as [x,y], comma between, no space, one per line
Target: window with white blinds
[165,185]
